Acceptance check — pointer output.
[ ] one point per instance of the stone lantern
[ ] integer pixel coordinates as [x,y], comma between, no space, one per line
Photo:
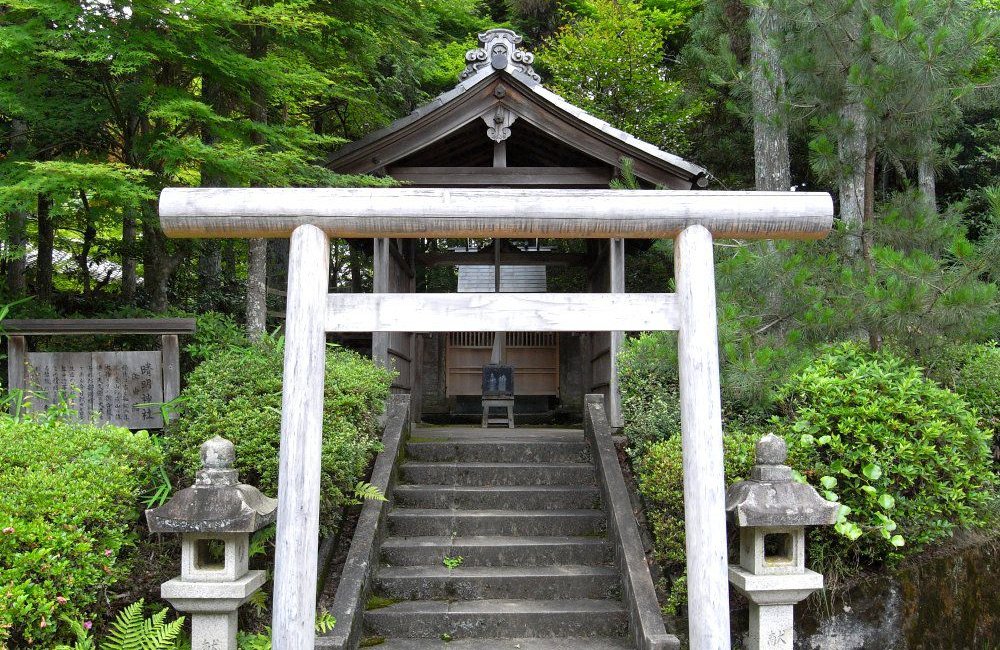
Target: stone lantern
[216,517]
[772,511]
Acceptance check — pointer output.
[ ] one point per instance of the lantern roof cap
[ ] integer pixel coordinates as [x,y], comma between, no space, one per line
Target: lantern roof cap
[772,498]
[217,502]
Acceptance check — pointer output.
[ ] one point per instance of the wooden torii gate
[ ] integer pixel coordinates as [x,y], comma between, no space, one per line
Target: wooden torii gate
[311,216]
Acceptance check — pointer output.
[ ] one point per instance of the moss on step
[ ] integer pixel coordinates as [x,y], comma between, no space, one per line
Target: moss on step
[371,641]
[378,602]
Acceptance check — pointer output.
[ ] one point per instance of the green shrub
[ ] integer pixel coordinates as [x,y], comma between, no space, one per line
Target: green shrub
[215,333]
[660,479]
[68,499]
[648,379]
[905,455]
[236,393]
[973,371]
[647,375]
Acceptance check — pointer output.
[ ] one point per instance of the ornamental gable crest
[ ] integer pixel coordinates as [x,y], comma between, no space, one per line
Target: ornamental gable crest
[499,51]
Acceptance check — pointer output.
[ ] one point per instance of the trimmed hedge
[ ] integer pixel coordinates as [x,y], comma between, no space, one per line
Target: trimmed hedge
[69,498]
[236,393]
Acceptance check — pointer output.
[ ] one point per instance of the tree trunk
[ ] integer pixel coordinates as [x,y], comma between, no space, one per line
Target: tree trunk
[128,257]
[772,169]
[927,180]
[157,265]
[354,248]
[852,151]
[17,225]
[867,240]
[256,307]
[89,236]
[46,246]
[257,288]
[210,251]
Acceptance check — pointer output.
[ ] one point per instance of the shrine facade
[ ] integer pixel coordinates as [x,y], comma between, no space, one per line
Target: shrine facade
[501,128]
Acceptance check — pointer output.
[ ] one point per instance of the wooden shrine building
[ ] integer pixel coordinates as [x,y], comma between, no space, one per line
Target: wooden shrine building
[500,128]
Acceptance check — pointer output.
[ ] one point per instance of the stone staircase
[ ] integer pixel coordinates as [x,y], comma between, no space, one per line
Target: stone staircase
[522,508]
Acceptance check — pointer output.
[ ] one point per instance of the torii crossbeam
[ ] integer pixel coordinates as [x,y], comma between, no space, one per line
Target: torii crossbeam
[311,216]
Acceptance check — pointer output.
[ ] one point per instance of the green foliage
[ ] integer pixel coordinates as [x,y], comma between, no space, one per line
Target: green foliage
[453,562]
[973,371]
[69,496]
[236,393]
[659,475]
[248,641]
[363,490]
[647,374]
[925,285]
[905,456]
[904,63]
[325,621]
[215,333]
[609,61]
[131,631]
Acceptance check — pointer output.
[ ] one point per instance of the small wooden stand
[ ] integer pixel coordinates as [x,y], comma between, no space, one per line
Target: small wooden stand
[500,403]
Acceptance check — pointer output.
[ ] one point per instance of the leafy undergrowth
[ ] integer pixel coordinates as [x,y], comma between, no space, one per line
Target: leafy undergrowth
[69,501]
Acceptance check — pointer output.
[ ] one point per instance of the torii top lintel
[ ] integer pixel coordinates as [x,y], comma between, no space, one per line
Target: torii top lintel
[499,212]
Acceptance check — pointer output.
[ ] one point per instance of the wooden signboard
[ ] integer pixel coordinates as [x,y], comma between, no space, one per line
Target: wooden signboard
[107,386]
[122,388]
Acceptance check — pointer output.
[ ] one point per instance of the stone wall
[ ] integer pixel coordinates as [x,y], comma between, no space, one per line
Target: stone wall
[949,599]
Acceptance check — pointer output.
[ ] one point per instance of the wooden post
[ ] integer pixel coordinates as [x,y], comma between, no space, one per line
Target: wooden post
[701,441]
[297,543]
[616,268]
[171,368]
[16,357]
[381,259]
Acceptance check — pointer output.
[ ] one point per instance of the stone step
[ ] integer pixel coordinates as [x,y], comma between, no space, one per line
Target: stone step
[500,451]
[490,550]
[480,583]
[568,643]
[535,497]
[411,522]
[436,434]
[496,619]
[497,473]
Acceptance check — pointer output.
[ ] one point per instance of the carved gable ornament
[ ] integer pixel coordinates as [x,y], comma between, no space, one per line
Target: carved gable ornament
[499,51]
[498,121]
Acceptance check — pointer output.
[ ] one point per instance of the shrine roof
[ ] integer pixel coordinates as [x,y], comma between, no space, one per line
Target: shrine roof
[499,85]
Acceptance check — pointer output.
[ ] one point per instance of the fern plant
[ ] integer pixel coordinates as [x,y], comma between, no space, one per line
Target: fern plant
[365,490]
[132,631]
